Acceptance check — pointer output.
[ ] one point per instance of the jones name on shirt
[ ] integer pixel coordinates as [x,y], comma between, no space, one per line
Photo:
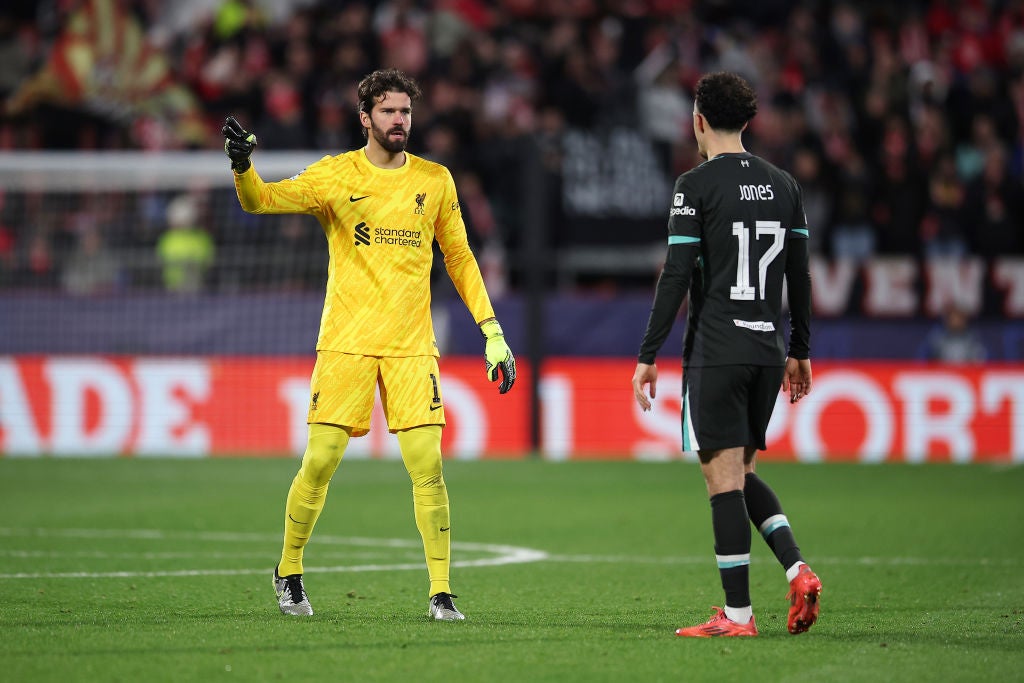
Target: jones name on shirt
[756,192]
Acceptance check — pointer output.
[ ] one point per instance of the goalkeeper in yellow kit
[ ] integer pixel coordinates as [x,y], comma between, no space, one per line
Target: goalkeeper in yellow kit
[381,209]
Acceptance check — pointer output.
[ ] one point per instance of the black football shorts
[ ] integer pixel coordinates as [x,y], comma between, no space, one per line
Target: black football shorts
[728,406]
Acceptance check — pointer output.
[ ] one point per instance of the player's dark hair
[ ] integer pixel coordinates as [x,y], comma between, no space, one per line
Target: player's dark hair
[726,100]
[376,85]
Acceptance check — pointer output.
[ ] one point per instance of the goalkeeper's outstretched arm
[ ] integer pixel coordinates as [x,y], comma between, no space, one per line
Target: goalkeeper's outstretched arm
[295,195]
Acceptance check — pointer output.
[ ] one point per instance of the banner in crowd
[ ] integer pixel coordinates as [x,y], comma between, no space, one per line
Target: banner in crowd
[102,60]
[242,406]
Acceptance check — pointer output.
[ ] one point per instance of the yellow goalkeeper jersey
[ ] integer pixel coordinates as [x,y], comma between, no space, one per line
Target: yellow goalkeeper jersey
[380,226]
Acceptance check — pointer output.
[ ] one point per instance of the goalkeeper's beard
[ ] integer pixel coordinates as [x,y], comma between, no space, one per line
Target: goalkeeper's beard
[383,139]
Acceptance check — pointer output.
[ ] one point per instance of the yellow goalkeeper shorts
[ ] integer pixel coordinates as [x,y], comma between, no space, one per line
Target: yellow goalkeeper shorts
[342,391]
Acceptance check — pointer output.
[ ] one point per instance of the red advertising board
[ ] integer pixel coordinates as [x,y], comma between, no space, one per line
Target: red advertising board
[224,406]
[866,412]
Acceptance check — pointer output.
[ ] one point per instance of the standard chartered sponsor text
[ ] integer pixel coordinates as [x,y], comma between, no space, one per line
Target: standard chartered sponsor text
[397,236]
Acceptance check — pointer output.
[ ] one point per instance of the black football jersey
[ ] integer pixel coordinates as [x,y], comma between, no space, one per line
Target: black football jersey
[733,225]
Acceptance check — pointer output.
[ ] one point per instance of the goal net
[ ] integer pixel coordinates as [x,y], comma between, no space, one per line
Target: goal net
[144,253]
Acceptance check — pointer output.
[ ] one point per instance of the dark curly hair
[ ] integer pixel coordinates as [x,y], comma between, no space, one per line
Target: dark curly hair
[374,86]
[726,100]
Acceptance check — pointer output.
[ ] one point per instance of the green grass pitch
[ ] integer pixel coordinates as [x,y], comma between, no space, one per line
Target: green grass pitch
[159,570]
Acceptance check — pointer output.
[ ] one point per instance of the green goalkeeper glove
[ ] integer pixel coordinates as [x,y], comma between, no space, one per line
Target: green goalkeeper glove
[238,144]
[498,356]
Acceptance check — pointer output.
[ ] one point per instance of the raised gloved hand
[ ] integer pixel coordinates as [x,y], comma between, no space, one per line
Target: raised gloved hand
[498,356]
[238,144]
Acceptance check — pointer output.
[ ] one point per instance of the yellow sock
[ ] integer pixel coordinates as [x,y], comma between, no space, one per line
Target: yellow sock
[421,451]
[324,448]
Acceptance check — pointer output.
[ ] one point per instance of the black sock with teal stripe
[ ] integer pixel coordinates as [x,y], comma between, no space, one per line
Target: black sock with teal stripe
[765,512]
[732,546]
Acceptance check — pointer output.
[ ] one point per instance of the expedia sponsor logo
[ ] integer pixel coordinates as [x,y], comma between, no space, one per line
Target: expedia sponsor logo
[677,206]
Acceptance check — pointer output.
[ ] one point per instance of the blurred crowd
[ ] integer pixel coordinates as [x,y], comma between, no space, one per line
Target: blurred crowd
[903,121]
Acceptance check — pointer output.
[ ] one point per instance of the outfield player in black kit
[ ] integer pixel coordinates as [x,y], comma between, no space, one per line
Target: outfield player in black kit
[736,233]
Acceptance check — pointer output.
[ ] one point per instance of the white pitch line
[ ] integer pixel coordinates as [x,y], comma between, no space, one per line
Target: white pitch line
[631,559]
[414,558]
[710,559]
[101,555]
[503,554]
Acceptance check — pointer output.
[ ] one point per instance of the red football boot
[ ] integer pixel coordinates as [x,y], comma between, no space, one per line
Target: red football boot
[719,625]
[804,594]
